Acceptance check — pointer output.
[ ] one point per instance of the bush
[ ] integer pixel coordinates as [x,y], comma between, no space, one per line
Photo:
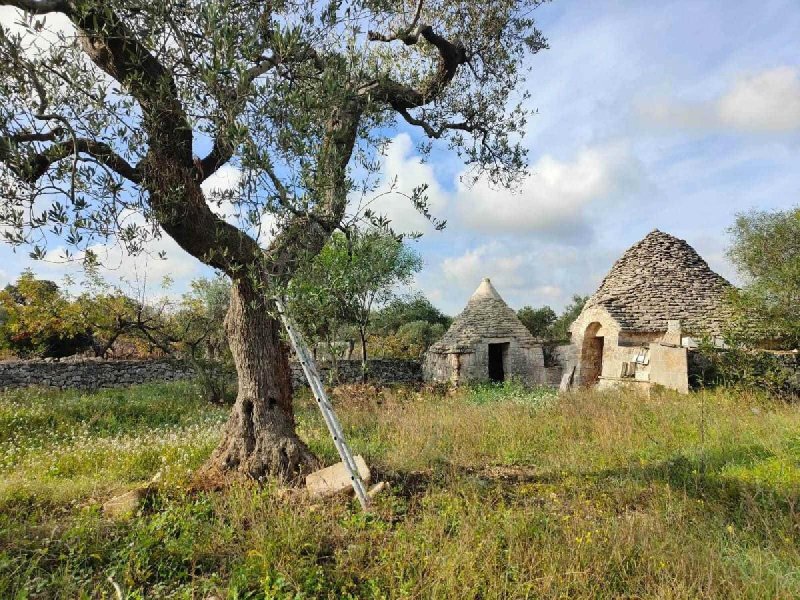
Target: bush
[776,373]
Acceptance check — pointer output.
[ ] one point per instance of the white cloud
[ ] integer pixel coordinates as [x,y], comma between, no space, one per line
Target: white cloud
[224,179]
[216,189]
[118,265]
[550,292]
[401,172]
[767,101]
[487,260]
[554,197]
[763,102]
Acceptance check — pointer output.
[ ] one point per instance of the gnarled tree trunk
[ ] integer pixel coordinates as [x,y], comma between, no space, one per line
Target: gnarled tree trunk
[259,438]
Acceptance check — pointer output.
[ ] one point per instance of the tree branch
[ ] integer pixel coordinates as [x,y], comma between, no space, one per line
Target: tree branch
[436,132]
[330,189]
[48,136]
[111,45]
[40,7]
[37,165]
[408,35]
[401,96]
[221,152]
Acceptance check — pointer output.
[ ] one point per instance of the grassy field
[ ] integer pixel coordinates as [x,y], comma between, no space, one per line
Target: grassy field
[495,493]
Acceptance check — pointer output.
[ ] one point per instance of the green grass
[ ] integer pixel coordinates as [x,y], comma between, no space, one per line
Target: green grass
[496,492]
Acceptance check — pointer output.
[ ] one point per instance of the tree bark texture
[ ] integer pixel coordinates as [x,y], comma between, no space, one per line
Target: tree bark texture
[259,438]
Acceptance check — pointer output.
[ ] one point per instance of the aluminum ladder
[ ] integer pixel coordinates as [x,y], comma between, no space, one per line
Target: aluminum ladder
[312,375]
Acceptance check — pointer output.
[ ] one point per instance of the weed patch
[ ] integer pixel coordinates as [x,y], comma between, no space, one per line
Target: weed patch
[496,492]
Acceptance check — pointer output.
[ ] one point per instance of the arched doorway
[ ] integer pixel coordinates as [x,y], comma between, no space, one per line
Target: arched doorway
[592,355]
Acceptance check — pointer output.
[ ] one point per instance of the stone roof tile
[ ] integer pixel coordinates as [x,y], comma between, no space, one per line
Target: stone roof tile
[486,316]
[660,278]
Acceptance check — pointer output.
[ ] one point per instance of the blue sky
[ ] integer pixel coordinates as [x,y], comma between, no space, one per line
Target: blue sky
[669,115]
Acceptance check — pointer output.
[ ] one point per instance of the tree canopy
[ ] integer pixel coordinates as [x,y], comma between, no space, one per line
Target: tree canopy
[537,320]
[765,247]
[284,92]
[38,320]
[354,274]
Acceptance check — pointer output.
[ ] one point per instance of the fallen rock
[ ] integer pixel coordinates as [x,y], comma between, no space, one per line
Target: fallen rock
[377,489]
[128,503]
[567,380]
[335,479]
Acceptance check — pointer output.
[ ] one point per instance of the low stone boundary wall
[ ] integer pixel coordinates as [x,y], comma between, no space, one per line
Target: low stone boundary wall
[383,371]
[90,374]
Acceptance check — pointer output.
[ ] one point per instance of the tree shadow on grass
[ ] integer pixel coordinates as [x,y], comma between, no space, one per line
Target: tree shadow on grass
[698,476]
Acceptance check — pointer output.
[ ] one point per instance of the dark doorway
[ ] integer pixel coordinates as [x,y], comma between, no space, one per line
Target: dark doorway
[497,354]
[592,355]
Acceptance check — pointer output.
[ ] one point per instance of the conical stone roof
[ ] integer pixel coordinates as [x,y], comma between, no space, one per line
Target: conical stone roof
[486,316]
[660,278]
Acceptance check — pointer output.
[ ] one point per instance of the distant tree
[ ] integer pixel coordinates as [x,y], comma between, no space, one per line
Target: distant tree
[560,328]
[200,337]
[108,314]
[313,302]
[40,320]
[417,336]
[406,327]
[408,309]
[191,329]
[353,274]
[537,320]
[765,247]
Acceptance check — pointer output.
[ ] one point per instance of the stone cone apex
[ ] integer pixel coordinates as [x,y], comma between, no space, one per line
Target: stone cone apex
[485,290]
[486,317]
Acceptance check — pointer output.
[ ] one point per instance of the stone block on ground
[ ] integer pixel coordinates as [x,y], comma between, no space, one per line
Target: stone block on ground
[377,489]
[336,478]
[567,379]
[125,504]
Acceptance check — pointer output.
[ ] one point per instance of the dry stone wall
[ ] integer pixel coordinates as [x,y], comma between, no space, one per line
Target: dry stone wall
[381,370]
[89,374]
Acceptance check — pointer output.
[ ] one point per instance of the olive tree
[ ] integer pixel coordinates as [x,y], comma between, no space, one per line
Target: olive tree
[354,274]
[110,126]
[765,248]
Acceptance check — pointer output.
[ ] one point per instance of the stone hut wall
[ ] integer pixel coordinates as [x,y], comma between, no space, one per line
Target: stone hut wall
[562,357]
[521,362]
[441,367]
[618,346]
[90,374]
